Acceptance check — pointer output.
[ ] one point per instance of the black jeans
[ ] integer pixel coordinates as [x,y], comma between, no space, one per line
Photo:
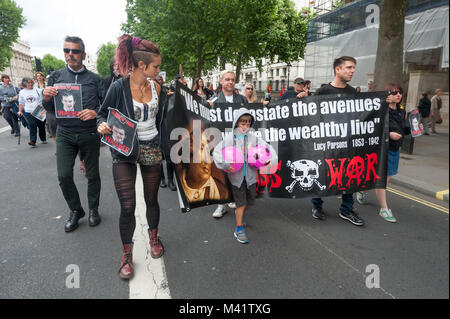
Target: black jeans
[67,147]
[11,118]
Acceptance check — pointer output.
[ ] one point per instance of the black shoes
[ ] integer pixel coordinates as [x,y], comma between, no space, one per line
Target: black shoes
[317,213]
[94,217]
[163,184]
[72,223]
[171,185]
[352,217]
[75,215]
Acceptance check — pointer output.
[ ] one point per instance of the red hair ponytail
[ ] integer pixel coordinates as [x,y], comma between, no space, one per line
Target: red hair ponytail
[128,53]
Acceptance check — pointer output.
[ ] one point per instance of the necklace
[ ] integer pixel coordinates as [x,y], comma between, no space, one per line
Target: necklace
[141,89]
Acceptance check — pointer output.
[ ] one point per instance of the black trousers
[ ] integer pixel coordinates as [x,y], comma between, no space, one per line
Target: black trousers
[11,118]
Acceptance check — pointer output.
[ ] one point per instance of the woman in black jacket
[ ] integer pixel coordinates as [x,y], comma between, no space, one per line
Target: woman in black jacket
[140,99]
[397,130]
[424,110]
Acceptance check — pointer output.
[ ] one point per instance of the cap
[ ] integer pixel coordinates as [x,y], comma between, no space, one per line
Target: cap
[299,81]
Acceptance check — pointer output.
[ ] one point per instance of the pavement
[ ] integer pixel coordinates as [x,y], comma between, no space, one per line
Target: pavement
[426,169]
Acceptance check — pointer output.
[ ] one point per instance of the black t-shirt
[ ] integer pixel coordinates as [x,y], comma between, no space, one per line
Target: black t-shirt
[329,89]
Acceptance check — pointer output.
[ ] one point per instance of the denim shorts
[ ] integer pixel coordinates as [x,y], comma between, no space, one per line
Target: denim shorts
[393,160]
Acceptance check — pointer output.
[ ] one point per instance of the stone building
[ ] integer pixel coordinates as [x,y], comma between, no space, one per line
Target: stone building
[21,63]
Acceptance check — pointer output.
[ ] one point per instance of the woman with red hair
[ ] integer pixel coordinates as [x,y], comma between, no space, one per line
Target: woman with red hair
[137,96]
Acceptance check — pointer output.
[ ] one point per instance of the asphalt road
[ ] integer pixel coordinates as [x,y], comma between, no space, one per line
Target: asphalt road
[290,255]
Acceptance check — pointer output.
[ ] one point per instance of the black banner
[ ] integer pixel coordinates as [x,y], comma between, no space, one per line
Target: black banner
[327,145]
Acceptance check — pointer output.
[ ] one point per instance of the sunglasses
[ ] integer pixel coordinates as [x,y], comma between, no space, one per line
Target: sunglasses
[395,92]
[249,89]
[74,51]
[301,83]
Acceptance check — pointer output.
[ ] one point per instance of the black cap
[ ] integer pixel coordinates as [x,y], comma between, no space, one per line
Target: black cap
[299,81]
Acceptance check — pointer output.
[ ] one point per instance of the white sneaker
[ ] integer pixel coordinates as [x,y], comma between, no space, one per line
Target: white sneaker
[361,197]
[220,211]
[232,205]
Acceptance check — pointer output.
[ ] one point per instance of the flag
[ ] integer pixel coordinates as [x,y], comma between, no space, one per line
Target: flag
[268,88]
[211,87]
[282,90]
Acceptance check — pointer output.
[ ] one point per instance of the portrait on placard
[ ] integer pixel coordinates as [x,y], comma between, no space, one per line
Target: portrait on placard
[68,101]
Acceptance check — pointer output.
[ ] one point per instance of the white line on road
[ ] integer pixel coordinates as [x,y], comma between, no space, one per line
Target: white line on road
[150,279]
[4,129]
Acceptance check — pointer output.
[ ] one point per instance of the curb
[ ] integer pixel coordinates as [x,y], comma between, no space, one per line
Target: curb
[421,187]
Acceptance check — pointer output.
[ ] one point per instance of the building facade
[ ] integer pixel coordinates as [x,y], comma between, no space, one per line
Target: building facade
[21,63]
[353,30]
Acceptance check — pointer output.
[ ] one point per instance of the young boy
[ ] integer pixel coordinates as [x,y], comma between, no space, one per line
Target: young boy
[243,181]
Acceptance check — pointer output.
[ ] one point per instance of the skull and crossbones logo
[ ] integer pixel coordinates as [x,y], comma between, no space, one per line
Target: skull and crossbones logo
[305,173]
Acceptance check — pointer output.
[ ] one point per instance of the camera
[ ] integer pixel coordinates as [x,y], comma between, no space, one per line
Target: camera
[268,97]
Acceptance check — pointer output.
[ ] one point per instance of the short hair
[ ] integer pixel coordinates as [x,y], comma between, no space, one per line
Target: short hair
[339,61]
[25,81]
[78,40]
[5,76]
[66,94]
[299,80]
[222,74]
[307,82]
[437,90]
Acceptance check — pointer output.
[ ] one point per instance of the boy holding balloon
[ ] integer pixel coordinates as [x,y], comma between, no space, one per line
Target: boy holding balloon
[240,155]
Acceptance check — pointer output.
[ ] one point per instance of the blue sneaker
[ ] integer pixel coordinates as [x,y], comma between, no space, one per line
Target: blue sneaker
[241,236]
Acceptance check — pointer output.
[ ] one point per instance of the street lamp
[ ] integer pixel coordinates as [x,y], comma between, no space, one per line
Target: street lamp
[289,68]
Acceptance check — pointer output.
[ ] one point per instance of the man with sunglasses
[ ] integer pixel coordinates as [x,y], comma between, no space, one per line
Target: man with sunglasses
[77,135]
[344,68]
[299,90]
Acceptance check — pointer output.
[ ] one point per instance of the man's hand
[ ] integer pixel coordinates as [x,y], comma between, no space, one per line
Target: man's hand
[264,102]
[87,115]
[104,128]
[302,94]
[49,92]
[395,136]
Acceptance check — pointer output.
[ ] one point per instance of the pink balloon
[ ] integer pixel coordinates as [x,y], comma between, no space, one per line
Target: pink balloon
[234,156]
[258,156]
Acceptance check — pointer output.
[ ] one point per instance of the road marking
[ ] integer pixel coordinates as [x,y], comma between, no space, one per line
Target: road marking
[440,195]
[419,200]
[150,279]
[4,129]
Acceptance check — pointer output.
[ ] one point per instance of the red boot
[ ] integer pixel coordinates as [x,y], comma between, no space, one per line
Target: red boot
[156,247]
[126,265]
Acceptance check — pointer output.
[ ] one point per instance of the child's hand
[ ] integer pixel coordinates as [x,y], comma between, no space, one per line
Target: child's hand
[231,169]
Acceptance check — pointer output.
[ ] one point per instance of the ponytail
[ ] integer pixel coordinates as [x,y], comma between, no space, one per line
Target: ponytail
[131,50]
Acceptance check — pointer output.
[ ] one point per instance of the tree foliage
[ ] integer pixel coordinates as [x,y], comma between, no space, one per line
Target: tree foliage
[104,56]
[196,33]
[51,63]
[11,20]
